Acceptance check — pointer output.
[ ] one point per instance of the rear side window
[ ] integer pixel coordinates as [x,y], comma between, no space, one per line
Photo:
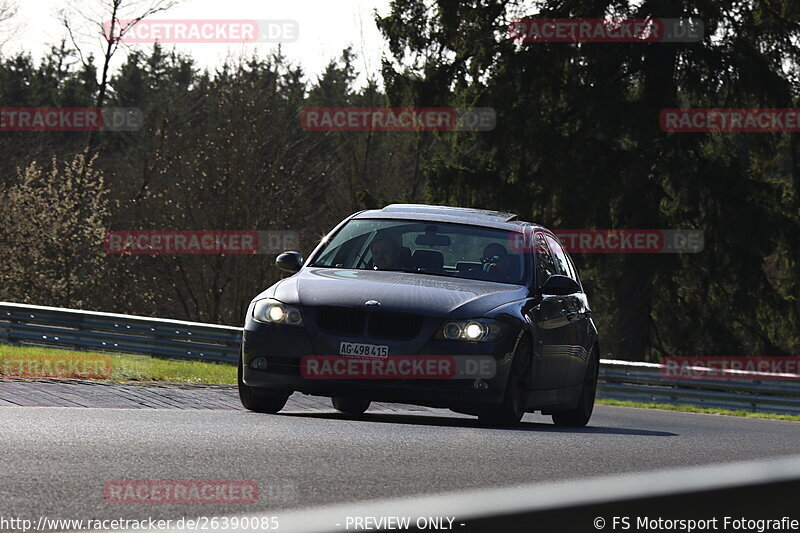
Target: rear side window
[561,261]
[572,268]
[545,266]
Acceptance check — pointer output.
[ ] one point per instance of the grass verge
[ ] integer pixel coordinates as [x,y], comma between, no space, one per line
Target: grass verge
[19,361]
[695,409]
[33,362]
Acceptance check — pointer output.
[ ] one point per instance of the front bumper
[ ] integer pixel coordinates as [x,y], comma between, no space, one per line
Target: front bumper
[284,347]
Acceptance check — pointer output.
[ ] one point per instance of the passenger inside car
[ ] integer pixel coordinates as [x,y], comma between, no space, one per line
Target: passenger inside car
[387,253]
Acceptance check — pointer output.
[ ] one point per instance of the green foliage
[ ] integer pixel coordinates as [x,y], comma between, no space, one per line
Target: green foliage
[578,145]
[126,368]
[53,225]
[696,409]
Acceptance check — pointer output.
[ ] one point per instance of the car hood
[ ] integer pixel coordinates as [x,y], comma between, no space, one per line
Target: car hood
[396,291]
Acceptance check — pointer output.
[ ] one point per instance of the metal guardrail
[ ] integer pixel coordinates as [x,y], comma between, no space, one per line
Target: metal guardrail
[621,380]
[89,330]
[646,382]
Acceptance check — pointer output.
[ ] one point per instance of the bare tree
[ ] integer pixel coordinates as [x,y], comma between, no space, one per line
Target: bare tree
[107,24]
[8,9]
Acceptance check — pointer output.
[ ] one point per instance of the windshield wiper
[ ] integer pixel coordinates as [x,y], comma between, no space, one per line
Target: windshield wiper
[418,270]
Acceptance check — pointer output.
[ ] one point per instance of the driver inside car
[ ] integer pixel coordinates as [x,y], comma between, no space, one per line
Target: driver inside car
[385,253]
[496,261]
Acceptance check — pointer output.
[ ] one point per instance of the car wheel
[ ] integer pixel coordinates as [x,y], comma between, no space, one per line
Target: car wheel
[351,406]
[510,412]
[580,416]
[259,400]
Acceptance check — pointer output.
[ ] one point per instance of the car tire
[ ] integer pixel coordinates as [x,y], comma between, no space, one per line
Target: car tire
[580,416]
[350,406]
[511,411]
[259,400]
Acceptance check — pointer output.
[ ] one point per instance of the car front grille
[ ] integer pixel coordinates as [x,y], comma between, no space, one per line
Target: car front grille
[377,324]
[397,326]
[341,320]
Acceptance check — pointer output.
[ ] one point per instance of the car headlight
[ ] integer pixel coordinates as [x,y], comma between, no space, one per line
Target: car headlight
[477,330]
[272,311]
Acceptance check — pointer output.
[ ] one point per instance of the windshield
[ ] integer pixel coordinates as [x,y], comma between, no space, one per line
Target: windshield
[457,250]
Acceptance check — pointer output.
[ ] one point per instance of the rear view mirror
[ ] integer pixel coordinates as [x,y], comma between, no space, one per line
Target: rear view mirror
[289,261]
[433,239]
[560,286]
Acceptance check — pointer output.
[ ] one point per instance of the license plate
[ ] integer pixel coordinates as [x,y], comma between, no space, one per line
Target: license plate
[363,350]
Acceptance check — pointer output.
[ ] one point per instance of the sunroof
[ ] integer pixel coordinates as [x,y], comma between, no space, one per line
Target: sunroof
[423,208]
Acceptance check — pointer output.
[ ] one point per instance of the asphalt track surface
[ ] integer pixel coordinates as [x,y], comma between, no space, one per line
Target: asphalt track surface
[56,460]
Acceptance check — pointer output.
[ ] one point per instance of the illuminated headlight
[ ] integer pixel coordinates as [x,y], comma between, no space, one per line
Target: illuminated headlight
[472,330]
[475,331]
[272,311]
[276,313]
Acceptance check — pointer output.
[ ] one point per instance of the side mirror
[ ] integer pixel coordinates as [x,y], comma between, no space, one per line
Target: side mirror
[560,286]
[289,261]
